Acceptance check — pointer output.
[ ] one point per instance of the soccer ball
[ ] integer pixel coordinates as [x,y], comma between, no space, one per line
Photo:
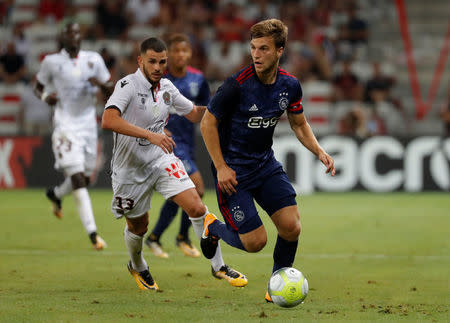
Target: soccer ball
[287,287]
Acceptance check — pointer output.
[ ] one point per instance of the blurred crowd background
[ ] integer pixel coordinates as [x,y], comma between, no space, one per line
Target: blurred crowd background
[348,54]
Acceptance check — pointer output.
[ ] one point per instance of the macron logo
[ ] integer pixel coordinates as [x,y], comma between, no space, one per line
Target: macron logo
[253,108]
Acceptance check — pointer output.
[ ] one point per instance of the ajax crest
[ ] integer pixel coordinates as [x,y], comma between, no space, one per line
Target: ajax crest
[283,102]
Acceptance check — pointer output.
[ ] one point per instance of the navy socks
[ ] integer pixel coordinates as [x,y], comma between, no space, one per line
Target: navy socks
[284,253]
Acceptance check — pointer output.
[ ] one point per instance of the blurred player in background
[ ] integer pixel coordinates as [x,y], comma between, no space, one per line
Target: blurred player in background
[75,75]
[238,129]
[143,161]
[192,84]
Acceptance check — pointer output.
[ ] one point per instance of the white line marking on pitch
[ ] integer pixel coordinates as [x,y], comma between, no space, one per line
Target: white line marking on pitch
[36,252]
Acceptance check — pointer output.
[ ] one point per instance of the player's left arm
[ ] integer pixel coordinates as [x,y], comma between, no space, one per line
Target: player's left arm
[102,77]
[201,101]
[185,107]
[305,135]
[196,114]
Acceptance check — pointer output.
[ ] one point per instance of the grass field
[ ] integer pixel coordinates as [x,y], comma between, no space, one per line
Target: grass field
[367,257]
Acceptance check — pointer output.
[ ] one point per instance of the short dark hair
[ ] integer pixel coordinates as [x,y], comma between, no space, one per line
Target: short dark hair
[271,27]
[154,44]
[176,38]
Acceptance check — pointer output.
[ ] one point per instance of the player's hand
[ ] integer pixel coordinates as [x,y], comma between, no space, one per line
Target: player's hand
[328,162]
[51,99]
[168,132]
[226,178]
[162,140]
[94,81]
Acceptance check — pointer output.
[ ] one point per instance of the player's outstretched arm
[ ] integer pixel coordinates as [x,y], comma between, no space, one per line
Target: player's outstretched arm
[226,177]
[305,135]
[112,120]
[196,114]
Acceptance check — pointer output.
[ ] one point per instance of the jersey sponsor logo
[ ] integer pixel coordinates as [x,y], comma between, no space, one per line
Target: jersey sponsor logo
[143,97]
[253,108]
[157,128]
[260,122]
[175,170]
[283,102]
[166,98]
[123,83]
[238,214]
[193,89]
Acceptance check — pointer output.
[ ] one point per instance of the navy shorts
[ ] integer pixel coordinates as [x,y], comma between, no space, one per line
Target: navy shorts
[272,191]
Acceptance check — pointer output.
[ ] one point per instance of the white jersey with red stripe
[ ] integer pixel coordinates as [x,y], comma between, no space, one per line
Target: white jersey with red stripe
[69,77]
[146,107]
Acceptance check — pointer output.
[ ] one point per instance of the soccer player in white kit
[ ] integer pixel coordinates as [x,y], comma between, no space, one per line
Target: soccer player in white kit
[75,75]
[143,159]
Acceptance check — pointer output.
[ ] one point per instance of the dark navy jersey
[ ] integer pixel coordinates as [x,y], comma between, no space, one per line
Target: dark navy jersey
[194,87]
[248,111]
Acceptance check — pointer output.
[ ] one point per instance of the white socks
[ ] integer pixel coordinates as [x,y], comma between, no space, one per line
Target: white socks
[64,188]
[134,247]
[197,224]
[84,206]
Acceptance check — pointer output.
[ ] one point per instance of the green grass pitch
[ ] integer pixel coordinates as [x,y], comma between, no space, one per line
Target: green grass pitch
[367,257]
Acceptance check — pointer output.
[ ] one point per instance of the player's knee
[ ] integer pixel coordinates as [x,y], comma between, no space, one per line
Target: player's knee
[196,210]
[256,244]
[297,229]
[141,231]
[292,232]
[138,226]
[78,181]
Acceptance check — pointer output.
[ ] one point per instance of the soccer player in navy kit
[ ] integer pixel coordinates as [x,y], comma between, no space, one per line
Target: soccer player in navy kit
[237,129]
[193,85]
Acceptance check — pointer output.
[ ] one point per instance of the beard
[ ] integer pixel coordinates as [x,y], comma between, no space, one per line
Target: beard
[147,76]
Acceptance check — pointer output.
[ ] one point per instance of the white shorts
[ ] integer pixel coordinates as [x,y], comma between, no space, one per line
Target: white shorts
[74,152]
[167,176]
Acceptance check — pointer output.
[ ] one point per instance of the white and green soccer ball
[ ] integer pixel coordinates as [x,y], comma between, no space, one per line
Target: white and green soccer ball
[288,287]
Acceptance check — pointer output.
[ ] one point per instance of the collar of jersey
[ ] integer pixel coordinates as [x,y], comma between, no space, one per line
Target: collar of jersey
[66,54]
[141,76]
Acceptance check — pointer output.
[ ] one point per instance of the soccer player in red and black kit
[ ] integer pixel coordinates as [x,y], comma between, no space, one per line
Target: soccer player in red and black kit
[237,128]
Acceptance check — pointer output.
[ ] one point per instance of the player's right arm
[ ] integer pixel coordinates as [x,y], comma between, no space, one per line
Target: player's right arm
[221,104]
[226,177]
[43,78]
[112,119]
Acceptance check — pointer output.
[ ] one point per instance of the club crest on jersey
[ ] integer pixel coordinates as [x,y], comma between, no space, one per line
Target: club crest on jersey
[283,102]
[193,89]
[238,214]
[166,98]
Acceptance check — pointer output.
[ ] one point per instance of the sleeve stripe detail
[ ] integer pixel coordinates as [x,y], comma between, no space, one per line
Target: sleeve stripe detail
[287,74]
[295,109]
[296,103]
[243,74]
[246,78]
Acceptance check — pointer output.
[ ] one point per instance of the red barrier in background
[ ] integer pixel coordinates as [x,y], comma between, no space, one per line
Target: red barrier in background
[421,107]
[16,154]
